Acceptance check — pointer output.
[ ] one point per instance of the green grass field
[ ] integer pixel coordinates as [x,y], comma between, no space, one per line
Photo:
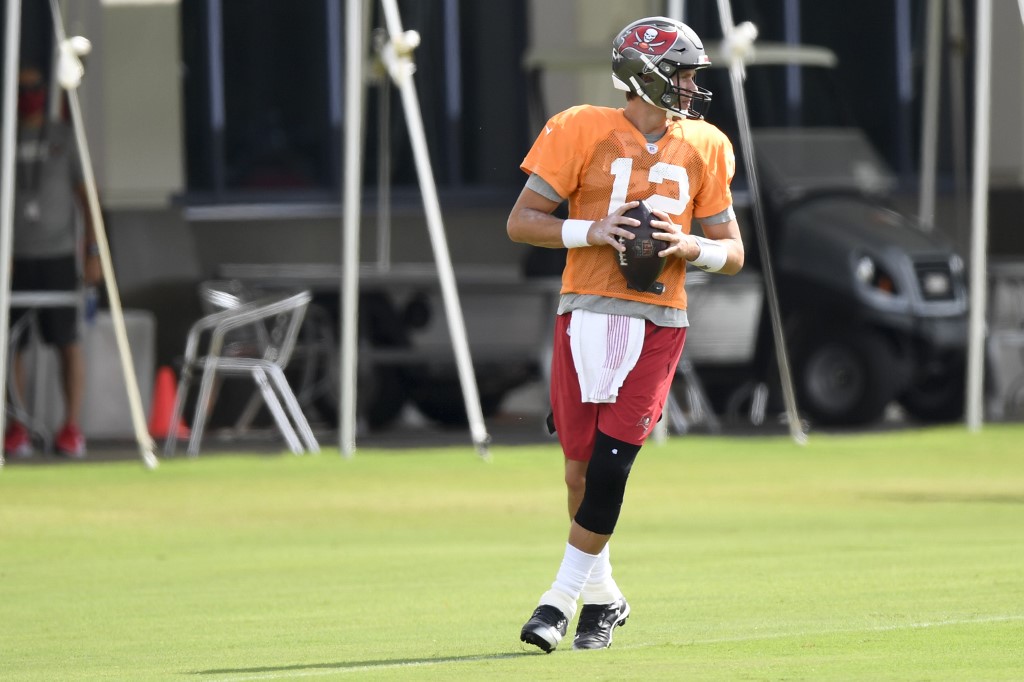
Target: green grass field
[895,556]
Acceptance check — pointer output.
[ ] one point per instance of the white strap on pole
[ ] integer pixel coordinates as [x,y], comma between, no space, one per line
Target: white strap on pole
[12,41]
[398,59]
[351,203]
[737,42]
[69,73]
[979,215]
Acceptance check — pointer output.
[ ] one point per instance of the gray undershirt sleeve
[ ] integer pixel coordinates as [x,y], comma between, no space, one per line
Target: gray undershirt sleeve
[719,218]
[541,187]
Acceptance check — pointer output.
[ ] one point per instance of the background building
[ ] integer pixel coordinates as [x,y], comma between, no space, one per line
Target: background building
[216,125]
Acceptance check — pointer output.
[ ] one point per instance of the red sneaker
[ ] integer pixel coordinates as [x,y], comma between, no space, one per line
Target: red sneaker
[70,442]
[17,440]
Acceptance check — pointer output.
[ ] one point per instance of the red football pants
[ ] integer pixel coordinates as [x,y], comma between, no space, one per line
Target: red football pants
[640,401]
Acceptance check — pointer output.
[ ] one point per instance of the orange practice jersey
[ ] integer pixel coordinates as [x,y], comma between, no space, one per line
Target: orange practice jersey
[599,161]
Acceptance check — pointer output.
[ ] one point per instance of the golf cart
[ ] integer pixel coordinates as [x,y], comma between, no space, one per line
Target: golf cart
[874,309]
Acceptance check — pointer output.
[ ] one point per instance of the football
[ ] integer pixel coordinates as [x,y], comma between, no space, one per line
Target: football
[639,263]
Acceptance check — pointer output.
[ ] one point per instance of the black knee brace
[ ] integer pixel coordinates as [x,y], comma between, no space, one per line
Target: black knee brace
[606,484]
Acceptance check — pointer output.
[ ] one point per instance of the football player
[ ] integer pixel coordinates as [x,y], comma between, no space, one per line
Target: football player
[616,348]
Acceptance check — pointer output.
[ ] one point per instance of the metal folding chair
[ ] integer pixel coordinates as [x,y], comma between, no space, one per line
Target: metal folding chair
[250,338]
[312,372]
[215,295]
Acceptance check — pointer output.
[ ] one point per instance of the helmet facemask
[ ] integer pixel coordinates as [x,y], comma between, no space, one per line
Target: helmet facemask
[673,95]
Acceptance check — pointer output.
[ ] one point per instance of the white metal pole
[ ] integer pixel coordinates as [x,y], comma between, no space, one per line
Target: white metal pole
[979,215]
[12,40]
[930,115]
[351,201]
[397,58]
[736,44]
[142,436]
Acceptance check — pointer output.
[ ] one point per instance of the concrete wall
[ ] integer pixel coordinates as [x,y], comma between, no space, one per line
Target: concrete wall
[1007,162]
[131,98]
[588,24]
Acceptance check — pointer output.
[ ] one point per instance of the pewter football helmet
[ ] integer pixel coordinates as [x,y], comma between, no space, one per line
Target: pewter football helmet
[645,56]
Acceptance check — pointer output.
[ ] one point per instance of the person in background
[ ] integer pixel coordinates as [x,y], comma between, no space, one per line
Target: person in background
[616,348]
[50,198]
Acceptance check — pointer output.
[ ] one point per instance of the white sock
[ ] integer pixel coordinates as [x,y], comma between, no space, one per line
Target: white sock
[572,575]
[600,587]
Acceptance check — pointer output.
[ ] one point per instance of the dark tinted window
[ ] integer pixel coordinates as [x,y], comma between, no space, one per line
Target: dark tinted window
[257,113]
[275,70]
[264,97]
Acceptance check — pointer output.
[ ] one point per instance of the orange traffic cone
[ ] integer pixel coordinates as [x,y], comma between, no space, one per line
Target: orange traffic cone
[164,393]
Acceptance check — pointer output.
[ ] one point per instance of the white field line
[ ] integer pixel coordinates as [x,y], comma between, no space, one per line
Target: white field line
[342,669]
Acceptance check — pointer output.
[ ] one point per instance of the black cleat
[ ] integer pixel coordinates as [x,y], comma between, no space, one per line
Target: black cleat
[545,629]
[594,630]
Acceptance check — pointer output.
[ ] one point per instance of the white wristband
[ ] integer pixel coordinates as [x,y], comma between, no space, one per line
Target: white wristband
[574,233]
[712,256]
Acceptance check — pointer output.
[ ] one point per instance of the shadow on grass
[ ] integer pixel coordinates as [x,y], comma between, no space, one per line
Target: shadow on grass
[383,663]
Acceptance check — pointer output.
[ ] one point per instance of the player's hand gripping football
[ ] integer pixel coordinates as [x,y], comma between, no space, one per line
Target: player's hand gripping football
[607,230]
[680,244]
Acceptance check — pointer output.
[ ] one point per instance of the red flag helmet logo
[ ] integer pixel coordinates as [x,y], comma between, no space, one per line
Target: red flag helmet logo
[650,40]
